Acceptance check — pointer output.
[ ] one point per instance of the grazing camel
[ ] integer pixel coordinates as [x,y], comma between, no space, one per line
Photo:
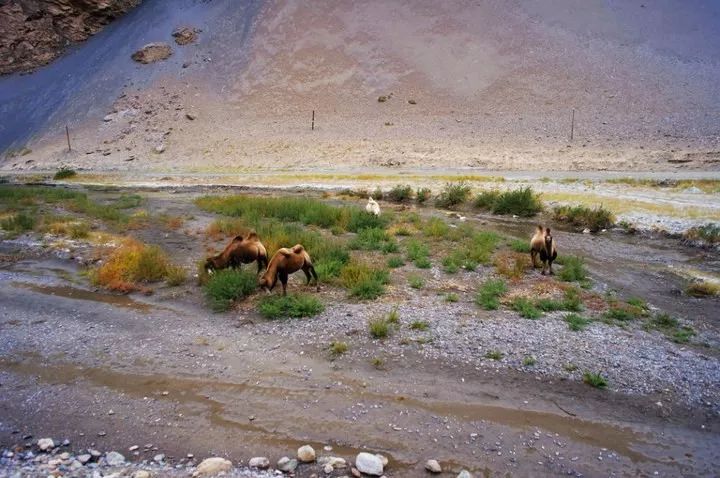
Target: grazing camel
[543,244]
[285,262]
[372,207]
[241,250]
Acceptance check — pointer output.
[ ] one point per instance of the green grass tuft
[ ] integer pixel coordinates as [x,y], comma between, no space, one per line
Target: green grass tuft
[453,194]
[576,322]
[595,380]
[583,217]
[494,355]
[573,270]
[290,306]
[523,202]
[379,328]
[529,361]
[394,262]
[65,173]
[525,308]
[488,296]
[338,348]
[420,325]
[227,286]
[416,281]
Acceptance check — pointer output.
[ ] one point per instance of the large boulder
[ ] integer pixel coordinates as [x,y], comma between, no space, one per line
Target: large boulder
[152,52]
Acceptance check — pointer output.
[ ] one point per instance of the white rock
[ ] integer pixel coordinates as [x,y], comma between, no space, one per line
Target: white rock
[464,474]
[159,457]
[287,464]
[383,458]
[306,454]
[586,231]
[433,466]
[160,148]
[141,474]
[335,461]
[259,462]
[114,458]
[328,469]
[212,466]
[46,444]
[84,458]
[369,464]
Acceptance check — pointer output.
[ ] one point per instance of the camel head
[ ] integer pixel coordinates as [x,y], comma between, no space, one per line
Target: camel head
[210,265]
[548,238]
[265,284]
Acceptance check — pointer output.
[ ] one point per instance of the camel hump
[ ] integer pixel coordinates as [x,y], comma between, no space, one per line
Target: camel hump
[539,228]
[284,251]
[298,248]
[252,236]
[239,237]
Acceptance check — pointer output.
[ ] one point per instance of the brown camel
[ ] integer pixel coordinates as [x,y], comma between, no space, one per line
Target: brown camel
[543,244]
[241,250]
[285,262]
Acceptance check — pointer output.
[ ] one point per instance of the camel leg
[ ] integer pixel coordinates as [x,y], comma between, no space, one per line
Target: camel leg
[550,266]
[284,281]
[306,270]
[317,282]
[543,267]
[533,258]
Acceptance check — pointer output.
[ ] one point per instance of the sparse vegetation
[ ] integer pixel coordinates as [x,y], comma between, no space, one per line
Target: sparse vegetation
[379,328]
[65,173]
[576,322]
[436,227]
[228,285]
[422,195]
[372,239]
[451,297]
[453,194]
[582,217]
[416,281]
[176,275]
[378,363]
[529,361]
[130,264]
[708,233]
[525,308]
[520,246]
[289,306]
[18,223]
[594,379]
[421,325]
[512,264]
[671,327]
[394,262]
[570,367]
[570,302]
[394,316]
[494,355]
[338,348]
[364,282]
[488,296]
[702,289]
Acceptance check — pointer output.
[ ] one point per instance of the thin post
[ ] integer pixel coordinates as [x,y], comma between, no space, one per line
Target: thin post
[312,126]
[572,125]
[67,134]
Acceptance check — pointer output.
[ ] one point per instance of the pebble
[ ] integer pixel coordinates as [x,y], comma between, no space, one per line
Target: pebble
[306,454]
[114,458]
[369,464]
[433,466]
[46,444]
[84,458]
[141,474]
[328,468]
[259,462]
[212,466]
[159,457]
[286,464]
[464,474]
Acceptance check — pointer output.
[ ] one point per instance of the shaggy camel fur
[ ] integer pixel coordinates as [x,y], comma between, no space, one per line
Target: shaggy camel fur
[241,250]
[285,262]
[543,244]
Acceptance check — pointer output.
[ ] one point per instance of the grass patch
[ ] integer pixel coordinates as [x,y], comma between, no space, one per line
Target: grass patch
[671,327]
[436,227]
[573,269]
[451,297]
[378,363]
[512,264]
[595,380]
[131,263]
[373,239]
[18,223]
[708,233]
[338,348]
[520,246]
[65,173]
[421,325]
[494,355]
[523,202]
[175,276]
[289,306]
[529,361]
[394,262]
[488,296]
[576,322]
[379,328]
[624,312]
[570,302]
[228,285]
[416,282]
[525,308]
[364,282]
[702,289]
[453,194]
[582,217]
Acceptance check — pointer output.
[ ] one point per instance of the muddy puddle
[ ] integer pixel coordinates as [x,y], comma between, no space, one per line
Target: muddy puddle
[87,295]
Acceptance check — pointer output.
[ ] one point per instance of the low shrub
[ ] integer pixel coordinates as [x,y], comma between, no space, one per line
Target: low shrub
[520,246]
[494,355]
[522,202]
[423,263]
[451,297]
[394,262]
[583,217]
[488,296]
[453,194]
[436,227]
[364,282]
[371,239]
[379,328]
[573,269]
[571,302]
[290,306]
[400,193]
[512,264]
[18,223]
[708,233]
[420,325]
[131,263]
[175,276]
[594,380]
[529,361]
[228,285]
[422,195]
[338,348]
[702,289]
[416,282]
[525,308]
[65,173]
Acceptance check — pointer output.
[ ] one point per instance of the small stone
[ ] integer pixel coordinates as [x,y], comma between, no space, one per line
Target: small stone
[190,116]
[110,412]
[66,442]
[160,148]
[212,466]
[94,453]
[586,231]
[306,454]
[335,461]
[355,472]
[84,458]
[369,464]
[286,464]
[141,474]
[133,448]
[152,52]
[259,462]
[433,466]
[328,469]
[165,393]
[159,457]
[114,458]
[464,474]
[46,444]
[101,434]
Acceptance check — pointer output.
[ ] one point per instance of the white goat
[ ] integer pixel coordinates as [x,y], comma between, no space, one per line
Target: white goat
[372,207]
